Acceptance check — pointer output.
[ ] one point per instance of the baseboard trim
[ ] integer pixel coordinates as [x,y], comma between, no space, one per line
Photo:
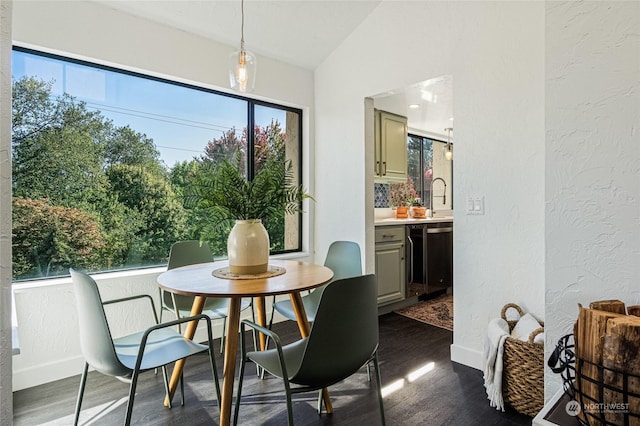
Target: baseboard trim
[45,373]
[40,374]
[465,356]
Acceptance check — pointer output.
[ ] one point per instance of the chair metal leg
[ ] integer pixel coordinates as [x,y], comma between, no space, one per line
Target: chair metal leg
[165,379]
[320,402]
[224,334]
[161,303]
[155,370]
[240,380]
[256,347]
[83,382]
[273,310]
[289,404]
[255,340]
[243,361]
[287,390]
[216,381]
[273,303]
[379,386]
[182,390]
[132,395]
[176,311]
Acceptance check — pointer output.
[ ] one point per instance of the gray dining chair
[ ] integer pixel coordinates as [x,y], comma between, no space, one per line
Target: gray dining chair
[191,252]
[344,259]
[343,338]
[126,357]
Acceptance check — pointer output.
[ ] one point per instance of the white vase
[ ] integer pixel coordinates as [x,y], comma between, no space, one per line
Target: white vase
[248,248]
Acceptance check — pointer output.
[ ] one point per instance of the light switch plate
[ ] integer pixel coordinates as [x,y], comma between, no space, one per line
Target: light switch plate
[475,205]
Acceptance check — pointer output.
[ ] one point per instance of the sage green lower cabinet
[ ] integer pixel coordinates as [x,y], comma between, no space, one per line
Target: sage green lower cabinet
[390,264]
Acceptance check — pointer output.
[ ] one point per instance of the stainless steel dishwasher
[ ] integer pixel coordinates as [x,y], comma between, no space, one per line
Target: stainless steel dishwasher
[429,259]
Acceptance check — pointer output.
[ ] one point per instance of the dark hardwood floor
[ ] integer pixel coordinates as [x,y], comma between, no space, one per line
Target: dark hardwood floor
[448,394]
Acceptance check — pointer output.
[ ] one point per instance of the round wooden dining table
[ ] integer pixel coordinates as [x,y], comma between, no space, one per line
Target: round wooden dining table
[199,281]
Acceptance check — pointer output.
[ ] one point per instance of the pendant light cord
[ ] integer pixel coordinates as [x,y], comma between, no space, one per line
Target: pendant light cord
[242,25]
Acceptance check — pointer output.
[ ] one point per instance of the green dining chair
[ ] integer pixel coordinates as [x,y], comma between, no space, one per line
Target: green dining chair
[344,259]
[192,252]
[343,338]
[126,357]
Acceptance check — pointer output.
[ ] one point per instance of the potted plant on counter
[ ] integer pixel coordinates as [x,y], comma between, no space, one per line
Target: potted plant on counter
[418,211]
[224,194]
[399,196]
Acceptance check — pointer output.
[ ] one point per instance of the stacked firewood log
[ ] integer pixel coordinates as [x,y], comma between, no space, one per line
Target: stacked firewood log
[605,336]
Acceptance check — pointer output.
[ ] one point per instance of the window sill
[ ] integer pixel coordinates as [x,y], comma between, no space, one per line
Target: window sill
[51,282]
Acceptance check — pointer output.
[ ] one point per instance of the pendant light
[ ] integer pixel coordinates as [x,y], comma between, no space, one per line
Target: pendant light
[242,66]
[448,149]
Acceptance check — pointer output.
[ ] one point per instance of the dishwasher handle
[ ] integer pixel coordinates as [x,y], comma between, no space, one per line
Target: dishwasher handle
[439,230]
[410,259]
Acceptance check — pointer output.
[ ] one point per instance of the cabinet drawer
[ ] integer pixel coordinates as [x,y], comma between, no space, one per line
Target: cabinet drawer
[389,233]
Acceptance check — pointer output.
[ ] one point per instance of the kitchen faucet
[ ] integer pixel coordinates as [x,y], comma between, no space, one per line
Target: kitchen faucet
[431,211]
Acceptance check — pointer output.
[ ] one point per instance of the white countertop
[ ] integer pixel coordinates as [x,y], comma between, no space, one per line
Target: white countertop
[388,221]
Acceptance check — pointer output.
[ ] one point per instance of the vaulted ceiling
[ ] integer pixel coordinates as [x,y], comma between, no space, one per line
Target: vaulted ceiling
[298,32]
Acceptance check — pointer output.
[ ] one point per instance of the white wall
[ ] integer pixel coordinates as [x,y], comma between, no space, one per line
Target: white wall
[593,160]
[47,321]
[559,171]
[495,53]
[86,30]
[6,396]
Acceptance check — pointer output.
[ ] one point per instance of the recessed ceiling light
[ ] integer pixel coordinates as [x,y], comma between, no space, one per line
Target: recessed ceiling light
[451,118]
[414,106]
[427,96]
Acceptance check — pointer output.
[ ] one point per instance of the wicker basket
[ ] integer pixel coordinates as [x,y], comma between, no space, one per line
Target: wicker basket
[523,370]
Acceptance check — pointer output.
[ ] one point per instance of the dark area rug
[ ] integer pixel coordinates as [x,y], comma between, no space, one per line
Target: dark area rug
[437,311]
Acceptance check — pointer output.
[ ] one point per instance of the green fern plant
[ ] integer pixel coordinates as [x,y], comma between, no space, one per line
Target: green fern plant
[222,192]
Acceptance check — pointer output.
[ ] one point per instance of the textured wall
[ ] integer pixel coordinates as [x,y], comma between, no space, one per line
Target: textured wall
[495,53]
[592,160]
[6,396]
[47,318]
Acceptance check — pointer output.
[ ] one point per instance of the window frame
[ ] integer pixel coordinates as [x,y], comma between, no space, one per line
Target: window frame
[425,189]
[251,103]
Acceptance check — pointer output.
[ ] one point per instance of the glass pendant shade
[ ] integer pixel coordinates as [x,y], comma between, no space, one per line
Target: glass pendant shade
[448,152]
[448,149]
[242,64]
[242,71]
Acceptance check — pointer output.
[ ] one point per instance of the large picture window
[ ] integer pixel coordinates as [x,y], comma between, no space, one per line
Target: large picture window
[101,158]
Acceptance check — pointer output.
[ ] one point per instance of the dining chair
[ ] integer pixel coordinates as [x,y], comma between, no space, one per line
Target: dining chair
[344,259]
[126,357]
[192,252]
[343,338]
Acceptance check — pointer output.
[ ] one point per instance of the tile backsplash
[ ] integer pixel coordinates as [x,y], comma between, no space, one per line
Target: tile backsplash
[381,195]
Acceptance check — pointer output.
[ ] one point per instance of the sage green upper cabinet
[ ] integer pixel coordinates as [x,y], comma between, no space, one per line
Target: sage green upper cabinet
[391,147]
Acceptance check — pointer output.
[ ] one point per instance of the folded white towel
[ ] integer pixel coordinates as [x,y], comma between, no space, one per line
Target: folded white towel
[524,327]
[497,333]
